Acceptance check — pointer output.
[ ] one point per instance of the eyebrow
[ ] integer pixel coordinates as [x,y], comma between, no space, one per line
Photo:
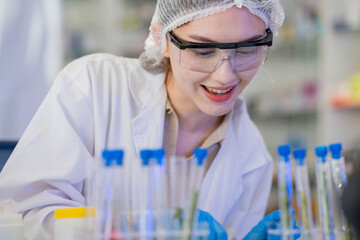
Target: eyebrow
[207,40]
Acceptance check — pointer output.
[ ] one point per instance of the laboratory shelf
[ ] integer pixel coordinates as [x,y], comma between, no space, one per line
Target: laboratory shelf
[284,115]
[349,106]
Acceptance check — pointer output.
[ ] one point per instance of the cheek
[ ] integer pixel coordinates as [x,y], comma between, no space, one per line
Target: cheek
[247,76]
[185,77]
[245,79]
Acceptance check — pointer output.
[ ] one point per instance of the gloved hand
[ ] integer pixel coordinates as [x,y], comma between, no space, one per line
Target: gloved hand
[271,221]
[216,230]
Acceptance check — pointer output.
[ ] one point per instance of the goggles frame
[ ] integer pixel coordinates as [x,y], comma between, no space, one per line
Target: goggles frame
[183,44]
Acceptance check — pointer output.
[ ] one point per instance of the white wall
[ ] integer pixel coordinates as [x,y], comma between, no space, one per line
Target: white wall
[30,57]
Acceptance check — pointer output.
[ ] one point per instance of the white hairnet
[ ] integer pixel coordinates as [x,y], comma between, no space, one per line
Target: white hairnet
[170,14]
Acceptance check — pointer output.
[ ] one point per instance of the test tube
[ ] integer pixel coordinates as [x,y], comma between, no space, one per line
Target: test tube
[195,179]
[178,175]
[323,180]
[108,199]
[153,193]
[285,190]
[174,189]
[146,195]
[120,225]
[340,182]
[159,174]
[91,194]
[303,196]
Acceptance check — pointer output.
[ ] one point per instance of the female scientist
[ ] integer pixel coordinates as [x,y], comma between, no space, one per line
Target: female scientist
[182,93]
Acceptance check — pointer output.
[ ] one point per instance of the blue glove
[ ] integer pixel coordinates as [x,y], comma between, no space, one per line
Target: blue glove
[272,221]
[216,230]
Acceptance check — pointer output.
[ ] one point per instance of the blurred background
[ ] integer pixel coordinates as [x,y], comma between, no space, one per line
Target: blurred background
[307,93]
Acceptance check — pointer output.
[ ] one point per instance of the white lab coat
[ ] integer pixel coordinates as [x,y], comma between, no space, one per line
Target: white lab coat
[102,101]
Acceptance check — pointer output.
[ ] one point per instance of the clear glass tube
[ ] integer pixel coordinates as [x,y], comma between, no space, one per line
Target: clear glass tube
[340,181]
[285,190]
[146,197]
[178,167]
[106,195]
[110,199]
[158,173]
[121,223]
[195,179]
[324,189]
[303,195]
[153,218]
[338,174]
[91,194]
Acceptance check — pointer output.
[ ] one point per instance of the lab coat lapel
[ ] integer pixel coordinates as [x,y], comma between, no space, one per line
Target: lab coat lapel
[222,185]
[240,153]
[150,94]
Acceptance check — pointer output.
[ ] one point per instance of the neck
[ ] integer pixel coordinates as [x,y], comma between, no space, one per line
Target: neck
[196,121]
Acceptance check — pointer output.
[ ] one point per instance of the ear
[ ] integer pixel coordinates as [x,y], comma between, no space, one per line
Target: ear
[155,30]
[166,53]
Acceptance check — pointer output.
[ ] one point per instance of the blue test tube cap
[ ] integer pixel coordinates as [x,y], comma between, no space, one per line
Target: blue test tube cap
[284,151]
[158,155]
[111,156]
[108,159]
[321,152]
[200,155]
[335,150]
[299,156]
[119,157]
[145,156]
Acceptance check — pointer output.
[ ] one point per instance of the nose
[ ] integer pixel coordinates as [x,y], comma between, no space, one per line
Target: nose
[224,71]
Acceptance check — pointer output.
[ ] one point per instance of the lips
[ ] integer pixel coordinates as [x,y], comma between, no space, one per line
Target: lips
[218,94]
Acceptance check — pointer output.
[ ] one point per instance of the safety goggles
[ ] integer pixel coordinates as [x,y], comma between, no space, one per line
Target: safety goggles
[207,57]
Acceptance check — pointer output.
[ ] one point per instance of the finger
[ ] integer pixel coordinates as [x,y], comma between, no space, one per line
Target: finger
[274,237]
[294,222]
[220,231]
[297,235]
[273,217]
[277,216]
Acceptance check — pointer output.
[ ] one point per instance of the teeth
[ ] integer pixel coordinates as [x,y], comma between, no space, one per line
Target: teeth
[217,91]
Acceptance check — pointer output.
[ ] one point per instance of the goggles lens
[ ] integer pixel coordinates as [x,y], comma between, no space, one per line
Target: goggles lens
[208,60]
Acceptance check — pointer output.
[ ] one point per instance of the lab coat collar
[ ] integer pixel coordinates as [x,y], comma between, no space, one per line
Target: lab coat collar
[146,87]
[149,93]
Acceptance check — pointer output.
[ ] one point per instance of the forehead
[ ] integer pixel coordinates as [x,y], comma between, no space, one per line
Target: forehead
[235,24]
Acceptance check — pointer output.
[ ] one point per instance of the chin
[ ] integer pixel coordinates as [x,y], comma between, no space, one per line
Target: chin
[220,109]
[217,111]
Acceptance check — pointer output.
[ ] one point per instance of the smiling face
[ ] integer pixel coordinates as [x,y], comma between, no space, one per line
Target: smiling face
[213,94]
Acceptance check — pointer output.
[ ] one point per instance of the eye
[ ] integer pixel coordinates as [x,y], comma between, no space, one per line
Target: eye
[246,51]
[203,52]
